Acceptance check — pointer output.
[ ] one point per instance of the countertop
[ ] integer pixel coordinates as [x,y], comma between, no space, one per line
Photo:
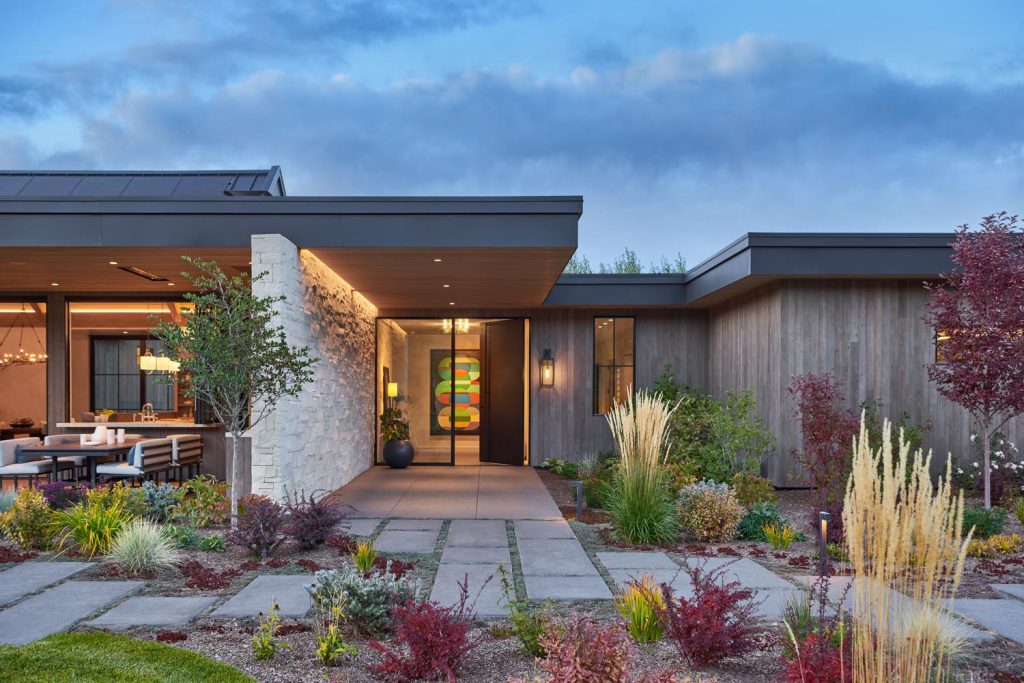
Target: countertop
[158,424]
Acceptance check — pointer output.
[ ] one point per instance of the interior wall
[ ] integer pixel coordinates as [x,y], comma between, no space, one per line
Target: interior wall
[392,354]
[23,388]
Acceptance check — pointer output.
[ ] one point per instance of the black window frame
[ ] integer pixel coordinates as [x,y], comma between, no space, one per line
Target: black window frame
[142,339]
[595,368]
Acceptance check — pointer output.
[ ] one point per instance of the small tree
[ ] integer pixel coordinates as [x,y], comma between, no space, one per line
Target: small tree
[978,308]
[239,362]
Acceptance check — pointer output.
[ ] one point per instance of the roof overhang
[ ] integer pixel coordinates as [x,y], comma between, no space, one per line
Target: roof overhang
[493,251]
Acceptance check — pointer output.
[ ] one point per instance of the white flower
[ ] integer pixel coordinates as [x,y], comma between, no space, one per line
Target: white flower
[973,437]
[995,466]
[959,471]
[975,464]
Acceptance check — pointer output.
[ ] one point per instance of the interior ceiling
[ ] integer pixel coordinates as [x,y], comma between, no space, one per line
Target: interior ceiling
[477,278]
[88,269]
[433,325]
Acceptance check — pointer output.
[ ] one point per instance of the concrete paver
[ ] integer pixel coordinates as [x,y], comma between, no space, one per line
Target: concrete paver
[637,560]
[750,574]
[1013,590]
[567,587]
[445,590]
[406,541]
[554,557]
[543,529]
[364,526]
[470,555]
[289,591]
[676,578]
[414,525]
[1005,617]
[59,608]
[477,533]
[153,611]
[28,577]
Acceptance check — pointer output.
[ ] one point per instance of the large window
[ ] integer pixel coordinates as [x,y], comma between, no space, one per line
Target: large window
[119,383]
[613,361]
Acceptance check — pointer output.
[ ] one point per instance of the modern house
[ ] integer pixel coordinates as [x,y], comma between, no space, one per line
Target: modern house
[456,307]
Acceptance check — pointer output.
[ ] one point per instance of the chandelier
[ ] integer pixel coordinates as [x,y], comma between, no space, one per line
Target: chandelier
[461,325]
[21,356]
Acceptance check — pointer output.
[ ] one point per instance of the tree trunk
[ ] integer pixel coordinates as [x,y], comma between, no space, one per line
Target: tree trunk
[988,470]
[236,476]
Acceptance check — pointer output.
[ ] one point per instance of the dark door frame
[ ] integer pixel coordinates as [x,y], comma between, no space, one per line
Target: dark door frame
[454,314]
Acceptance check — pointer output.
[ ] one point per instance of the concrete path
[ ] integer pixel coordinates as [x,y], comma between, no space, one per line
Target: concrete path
[555,565]
[497,492]
[473,550]
[364,526]
[59,608]
[147,611]
[288,589]
[28,577]
[409,536]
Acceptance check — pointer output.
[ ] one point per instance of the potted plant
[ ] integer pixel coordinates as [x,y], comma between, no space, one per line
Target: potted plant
[104,415]
[398,450]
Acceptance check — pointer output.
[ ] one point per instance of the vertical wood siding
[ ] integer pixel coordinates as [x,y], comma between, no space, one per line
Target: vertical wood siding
[869,334]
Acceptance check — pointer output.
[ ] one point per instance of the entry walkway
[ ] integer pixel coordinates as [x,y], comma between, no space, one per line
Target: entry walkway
[462,492]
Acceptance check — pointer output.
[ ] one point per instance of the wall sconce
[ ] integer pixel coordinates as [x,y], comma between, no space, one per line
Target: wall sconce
[547,369]
[823,520]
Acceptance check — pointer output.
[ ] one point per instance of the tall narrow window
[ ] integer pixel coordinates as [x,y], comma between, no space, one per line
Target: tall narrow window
[613,361]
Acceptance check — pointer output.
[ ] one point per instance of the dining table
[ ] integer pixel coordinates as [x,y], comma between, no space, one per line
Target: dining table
[92,452]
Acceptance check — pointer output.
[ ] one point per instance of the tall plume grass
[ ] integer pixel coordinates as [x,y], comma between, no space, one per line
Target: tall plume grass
[902,533]
[640,499]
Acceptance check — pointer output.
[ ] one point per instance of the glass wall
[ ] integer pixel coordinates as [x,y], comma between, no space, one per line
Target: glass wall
[117,367]
[438,396]
[23,361]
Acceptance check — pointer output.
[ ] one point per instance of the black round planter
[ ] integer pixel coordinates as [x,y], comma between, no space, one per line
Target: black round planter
[398,454]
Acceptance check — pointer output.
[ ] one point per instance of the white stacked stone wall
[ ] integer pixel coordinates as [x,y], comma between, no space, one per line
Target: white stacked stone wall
[323,438]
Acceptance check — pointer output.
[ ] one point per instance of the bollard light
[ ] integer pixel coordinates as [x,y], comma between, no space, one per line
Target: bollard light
[823,520]
[578,485]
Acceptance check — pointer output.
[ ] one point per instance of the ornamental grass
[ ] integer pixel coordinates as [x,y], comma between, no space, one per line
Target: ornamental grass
[640,499]
[903,534]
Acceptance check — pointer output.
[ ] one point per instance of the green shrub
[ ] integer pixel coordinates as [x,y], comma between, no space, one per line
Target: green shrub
[141,547]
[528,624]
[160,500]
[714,439]
[212,544]
[986,522]
[130,500]
[709,511]
[181,536]
[264,642]
[204,501]
[642,508]
[642,604]
[366,600]
[780,538]
[597,474]
[91,527]
[563,468]
[29,520]
[364,555]
[1018,509]
[751,527]
[752,489]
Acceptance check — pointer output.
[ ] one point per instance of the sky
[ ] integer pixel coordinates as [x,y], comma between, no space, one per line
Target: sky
[683,125]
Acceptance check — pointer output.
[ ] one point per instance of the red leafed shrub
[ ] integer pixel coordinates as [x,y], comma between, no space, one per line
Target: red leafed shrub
[827,428]
[310,519]
[343,542]
[249,566]
[728,550]
[309,565]
[288,629]
[430,641]
[757,552]
[780,556]
[819,660]
[276,563]
[9,554]
[715,622]
[171,636]
[801,561]
[696,549]
[201,577]
[586,651]
[398,567]
[260,522]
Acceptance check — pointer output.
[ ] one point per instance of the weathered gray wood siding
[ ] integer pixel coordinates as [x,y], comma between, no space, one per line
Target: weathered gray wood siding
[561,417]
[869,334]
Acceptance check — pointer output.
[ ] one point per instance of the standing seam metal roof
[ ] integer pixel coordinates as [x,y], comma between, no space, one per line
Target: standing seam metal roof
[140,184]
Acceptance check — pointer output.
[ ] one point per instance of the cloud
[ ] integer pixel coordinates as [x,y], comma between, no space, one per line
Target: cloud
[681,151]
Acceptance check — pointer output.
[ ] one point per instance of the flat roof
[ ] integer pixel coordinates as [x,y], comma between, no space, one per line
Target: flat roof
[152,184]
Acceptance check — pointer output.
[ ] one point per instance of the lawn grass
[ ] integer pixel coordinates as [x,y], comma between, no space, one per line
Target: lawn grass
[85,657]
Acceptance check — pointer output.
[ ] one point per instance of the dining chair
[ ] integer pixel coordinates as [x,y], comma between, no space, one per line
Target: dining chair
[186,453]
[146,460]
[78,463]
[10,468]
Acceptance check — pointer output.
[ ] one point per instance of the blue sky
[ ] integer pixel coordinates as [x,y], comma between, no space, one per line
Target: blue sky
[683,124]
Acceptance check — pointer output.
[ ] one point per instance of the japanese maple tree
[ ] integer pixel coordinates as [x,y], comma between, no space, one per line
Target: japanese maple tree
[978,309]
